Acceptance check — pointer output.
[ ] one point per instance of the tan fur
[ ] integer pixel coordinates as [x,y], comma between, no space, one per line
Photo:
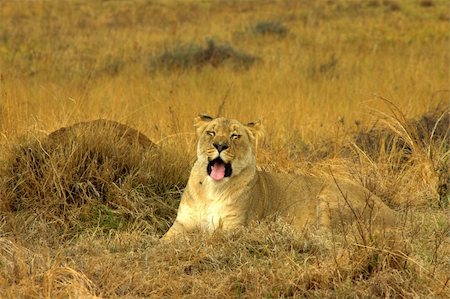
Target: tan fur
[252,195]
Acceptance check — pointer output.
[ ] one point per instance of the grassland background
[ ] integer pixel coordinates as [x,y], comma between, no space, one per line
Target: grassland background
[62,62]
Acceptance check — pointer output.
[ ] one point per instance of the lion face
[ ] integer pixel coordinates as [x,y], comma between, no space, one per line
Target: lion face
[225,147]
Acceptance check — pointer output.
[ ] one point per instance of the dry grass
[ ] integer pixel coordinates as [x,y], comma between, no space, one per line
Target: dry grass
[355,88]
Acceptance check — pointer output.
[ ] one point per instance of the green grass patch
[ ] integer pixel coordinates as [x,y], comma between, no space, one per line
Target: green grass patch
[195,56]
[273,28]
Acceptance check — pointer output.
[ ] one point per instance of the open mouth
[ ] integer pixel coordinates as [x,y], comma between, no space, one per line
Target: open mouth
[217,169]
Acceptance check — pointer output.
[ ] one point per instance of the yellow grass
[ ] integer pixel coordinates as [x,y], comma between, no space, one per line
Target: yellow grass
[342,66]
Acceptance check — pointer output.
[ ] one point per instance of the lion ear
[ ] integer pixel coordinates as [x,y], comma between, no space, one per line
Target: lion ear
[203,118]
[201,121]
[256,130]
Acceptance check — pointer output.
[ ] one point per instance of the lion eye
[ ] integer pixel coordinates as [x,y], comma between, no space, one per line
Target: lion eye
[235,136]
[211,133]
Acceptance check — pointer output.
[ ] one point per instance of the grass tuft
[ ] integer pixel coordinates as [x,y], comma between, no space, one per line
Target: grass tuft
[196,56]
[399,148]
[426,3]
[99,173]
[406,135]
[270,28]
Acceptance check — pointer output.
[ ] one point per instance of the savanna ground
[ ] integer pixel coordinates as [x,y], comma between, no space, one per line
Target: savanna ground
[345,88]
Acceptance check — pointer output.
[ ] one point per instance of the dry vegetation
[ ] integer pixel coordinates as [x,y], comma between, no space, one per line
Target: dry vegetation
[357,88]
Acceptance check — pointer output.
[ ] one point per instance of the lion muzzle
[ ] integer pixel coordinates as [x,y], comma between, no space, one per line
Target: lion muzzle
[217,169]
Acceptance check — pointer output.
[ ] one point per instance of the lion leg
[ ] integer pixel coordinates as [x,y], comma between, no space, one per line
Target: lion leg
[176,229]
[185,222]
[346,204]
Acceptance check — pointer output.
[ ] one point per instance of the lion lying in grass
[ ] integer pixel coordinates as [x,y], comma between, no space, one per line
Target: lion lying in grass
[225,190]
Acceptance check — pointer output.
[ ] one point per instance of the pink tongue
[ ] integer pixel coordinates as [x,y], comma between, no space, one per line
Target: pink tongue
[218,171]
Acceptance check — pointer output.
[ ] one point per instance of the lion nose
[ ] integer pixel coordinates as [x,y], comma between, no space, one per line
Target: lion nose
[220,146]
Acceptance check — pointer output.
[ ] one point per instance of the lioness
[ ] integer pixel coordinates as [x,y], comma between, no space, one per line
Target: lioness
[225,189]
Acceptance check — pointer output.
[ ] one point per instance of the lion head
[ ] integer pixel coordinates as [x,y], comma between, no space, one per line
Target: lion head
[225,146]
